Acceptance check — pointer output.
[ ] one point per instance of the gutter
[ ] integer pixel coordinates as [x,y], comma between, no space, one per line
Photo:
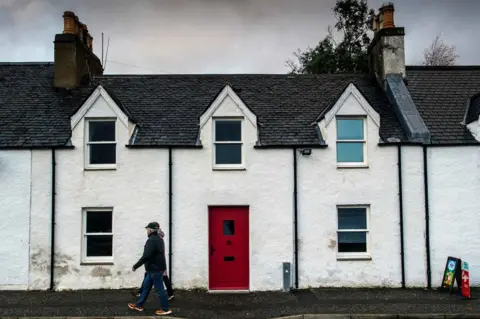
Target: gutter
[295,216]
[400,199]
[52,231]
[427,217]
[163,146]
[170,209]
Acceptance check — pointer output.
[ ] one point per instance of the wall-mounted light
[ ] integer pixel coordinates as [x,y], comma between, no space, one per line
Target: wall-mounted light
[306,151]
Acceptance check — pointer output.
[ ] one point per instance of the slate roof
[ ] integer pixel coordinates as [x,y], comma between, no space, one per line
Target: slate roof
[441,95]
[167,108]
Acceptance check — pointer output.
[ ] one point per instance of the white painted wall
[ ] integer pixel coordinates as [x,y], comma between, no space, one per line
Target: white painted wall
[15,181]
[266,186]
[323,186]
[41,214]
[414,216]
[454,187]
[137,190]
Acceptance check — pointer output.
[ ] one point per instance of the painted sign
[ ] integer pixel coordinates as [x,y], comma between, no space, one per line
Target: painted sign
[465,280]
[449,273]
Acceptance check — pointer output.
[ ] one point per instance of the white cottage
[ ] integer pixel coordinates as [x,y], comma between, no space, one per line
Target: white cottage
[261,182]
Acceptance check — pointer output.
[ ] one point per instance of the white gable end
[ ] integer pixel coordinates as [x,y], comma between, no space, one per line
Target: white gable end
[99,104]
[100,108]
[228,104]
[228,108]
[474,129]
[352,102]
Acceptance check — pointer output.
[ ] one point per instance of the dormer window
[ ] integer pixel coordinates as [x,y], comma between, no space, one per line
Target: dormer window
[101,145]
[351,141]
[228,145]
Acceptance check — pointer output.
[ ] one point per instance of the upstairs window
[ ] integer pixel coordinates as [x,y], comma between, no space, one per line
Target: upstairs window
[228,145]
[101,148]
[351,142]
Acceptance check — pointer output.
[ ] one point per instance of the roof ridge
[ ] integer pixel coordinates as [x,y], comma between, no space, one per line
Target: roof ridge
[442,67]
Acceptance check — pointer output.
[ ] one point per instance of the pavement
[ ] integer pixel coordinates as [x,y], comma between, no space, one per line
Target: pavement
[351,303]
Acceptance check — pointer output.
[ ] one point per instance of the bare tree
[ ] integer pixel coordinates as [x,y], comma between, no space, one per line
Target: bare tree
[440,54]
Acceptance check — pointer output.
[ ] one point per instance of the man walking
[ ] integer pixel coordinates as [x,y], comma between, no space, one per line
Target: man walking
[155,265]
[166,280]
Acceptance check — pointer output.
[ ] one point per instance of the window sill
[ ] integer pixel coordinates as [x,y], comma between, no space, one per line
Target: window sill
[101,168]
[347,257]
[351,165]
[229,168]
[96,263]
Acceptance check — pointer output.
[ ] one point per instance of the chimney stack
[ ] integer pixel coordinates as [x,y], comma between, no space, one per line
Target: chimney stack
[75,62]
[387,50]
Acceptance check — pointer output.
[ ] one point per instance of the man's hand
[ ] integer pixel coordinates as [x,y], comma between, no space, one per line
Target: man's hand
[133,268]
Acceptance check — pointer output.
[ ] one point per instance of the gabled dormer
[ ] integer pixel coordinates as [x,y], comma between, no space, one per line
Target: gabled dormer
[228,128]
[348,125]
[100,127]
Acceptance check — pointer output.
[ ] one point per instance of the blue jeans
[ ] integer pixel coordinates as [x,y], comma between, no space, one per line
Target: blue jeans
[153,279]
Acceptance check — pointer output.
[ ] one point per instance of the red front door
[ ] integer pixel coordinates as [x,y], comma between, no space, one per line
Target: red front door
[228,248]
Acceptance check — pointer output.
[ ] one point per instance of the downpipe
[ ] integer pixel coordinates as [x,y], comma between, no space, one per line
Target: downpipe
[52,230]
[295,215]
[170,210]
[400,199]
[427,217]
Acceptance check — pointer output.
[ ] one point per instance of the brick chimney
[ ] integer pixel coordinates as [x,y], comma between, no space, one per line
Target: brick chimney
[387,49]
[75,62]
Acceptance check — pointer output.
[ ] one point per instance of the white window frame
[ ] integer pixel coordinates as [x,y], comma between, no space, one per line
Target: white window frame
[89,166]
[355,255]
[216,166]
[364,141]
[96,260]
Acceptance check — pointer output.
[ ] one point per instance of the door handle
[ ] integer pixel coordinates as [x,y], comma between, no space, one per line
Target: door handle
[211,250]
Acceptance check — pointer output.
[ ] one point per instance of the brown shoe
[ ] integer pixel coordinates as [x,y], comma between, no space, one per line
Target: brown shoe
[163,312]
[135,307]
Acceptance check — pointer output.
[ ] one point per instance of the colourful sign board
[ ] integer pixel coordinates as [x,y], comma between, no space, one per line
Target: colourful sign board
[449,273]
[465,280]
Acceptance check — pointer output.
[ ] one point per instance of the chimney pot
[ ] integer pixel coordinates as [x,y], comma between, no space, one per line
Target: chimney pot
[387,49]
[69,22]
[386,12]
[75,62]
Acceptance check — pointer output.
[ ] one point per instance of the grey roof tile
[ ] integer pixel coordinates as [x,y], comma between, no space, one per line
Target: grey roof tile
[441,95]
[167,108]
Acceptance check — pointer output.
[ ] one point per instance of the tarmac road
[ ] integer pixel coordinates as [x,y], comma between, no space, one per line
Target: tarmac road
[259,305]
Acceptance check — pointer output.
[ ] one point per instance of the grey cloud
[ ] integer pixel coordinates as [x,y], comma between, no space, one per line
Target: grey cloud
[217,36]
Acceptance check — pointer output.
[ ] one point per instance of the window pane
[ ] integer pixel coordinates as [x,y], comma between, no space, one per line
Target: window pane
[350,152]
[228,154]
[228,227]
[99,222]
[103,153]
[352,242]
[101,131]
[228,131]
[349,129]
[99,245]
[352,218]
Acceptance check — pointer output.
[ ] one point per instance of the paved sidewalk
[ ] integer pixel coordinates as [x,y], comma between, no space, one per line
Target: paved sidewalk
[202,305]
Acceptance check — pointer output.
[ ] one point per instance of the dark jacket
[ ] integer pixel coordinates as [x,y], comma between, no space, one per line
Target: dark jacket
[153,254]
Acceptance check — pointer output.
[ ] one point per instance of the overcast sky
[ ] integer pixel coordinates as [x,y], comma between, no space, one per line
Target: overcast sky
[218,36]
